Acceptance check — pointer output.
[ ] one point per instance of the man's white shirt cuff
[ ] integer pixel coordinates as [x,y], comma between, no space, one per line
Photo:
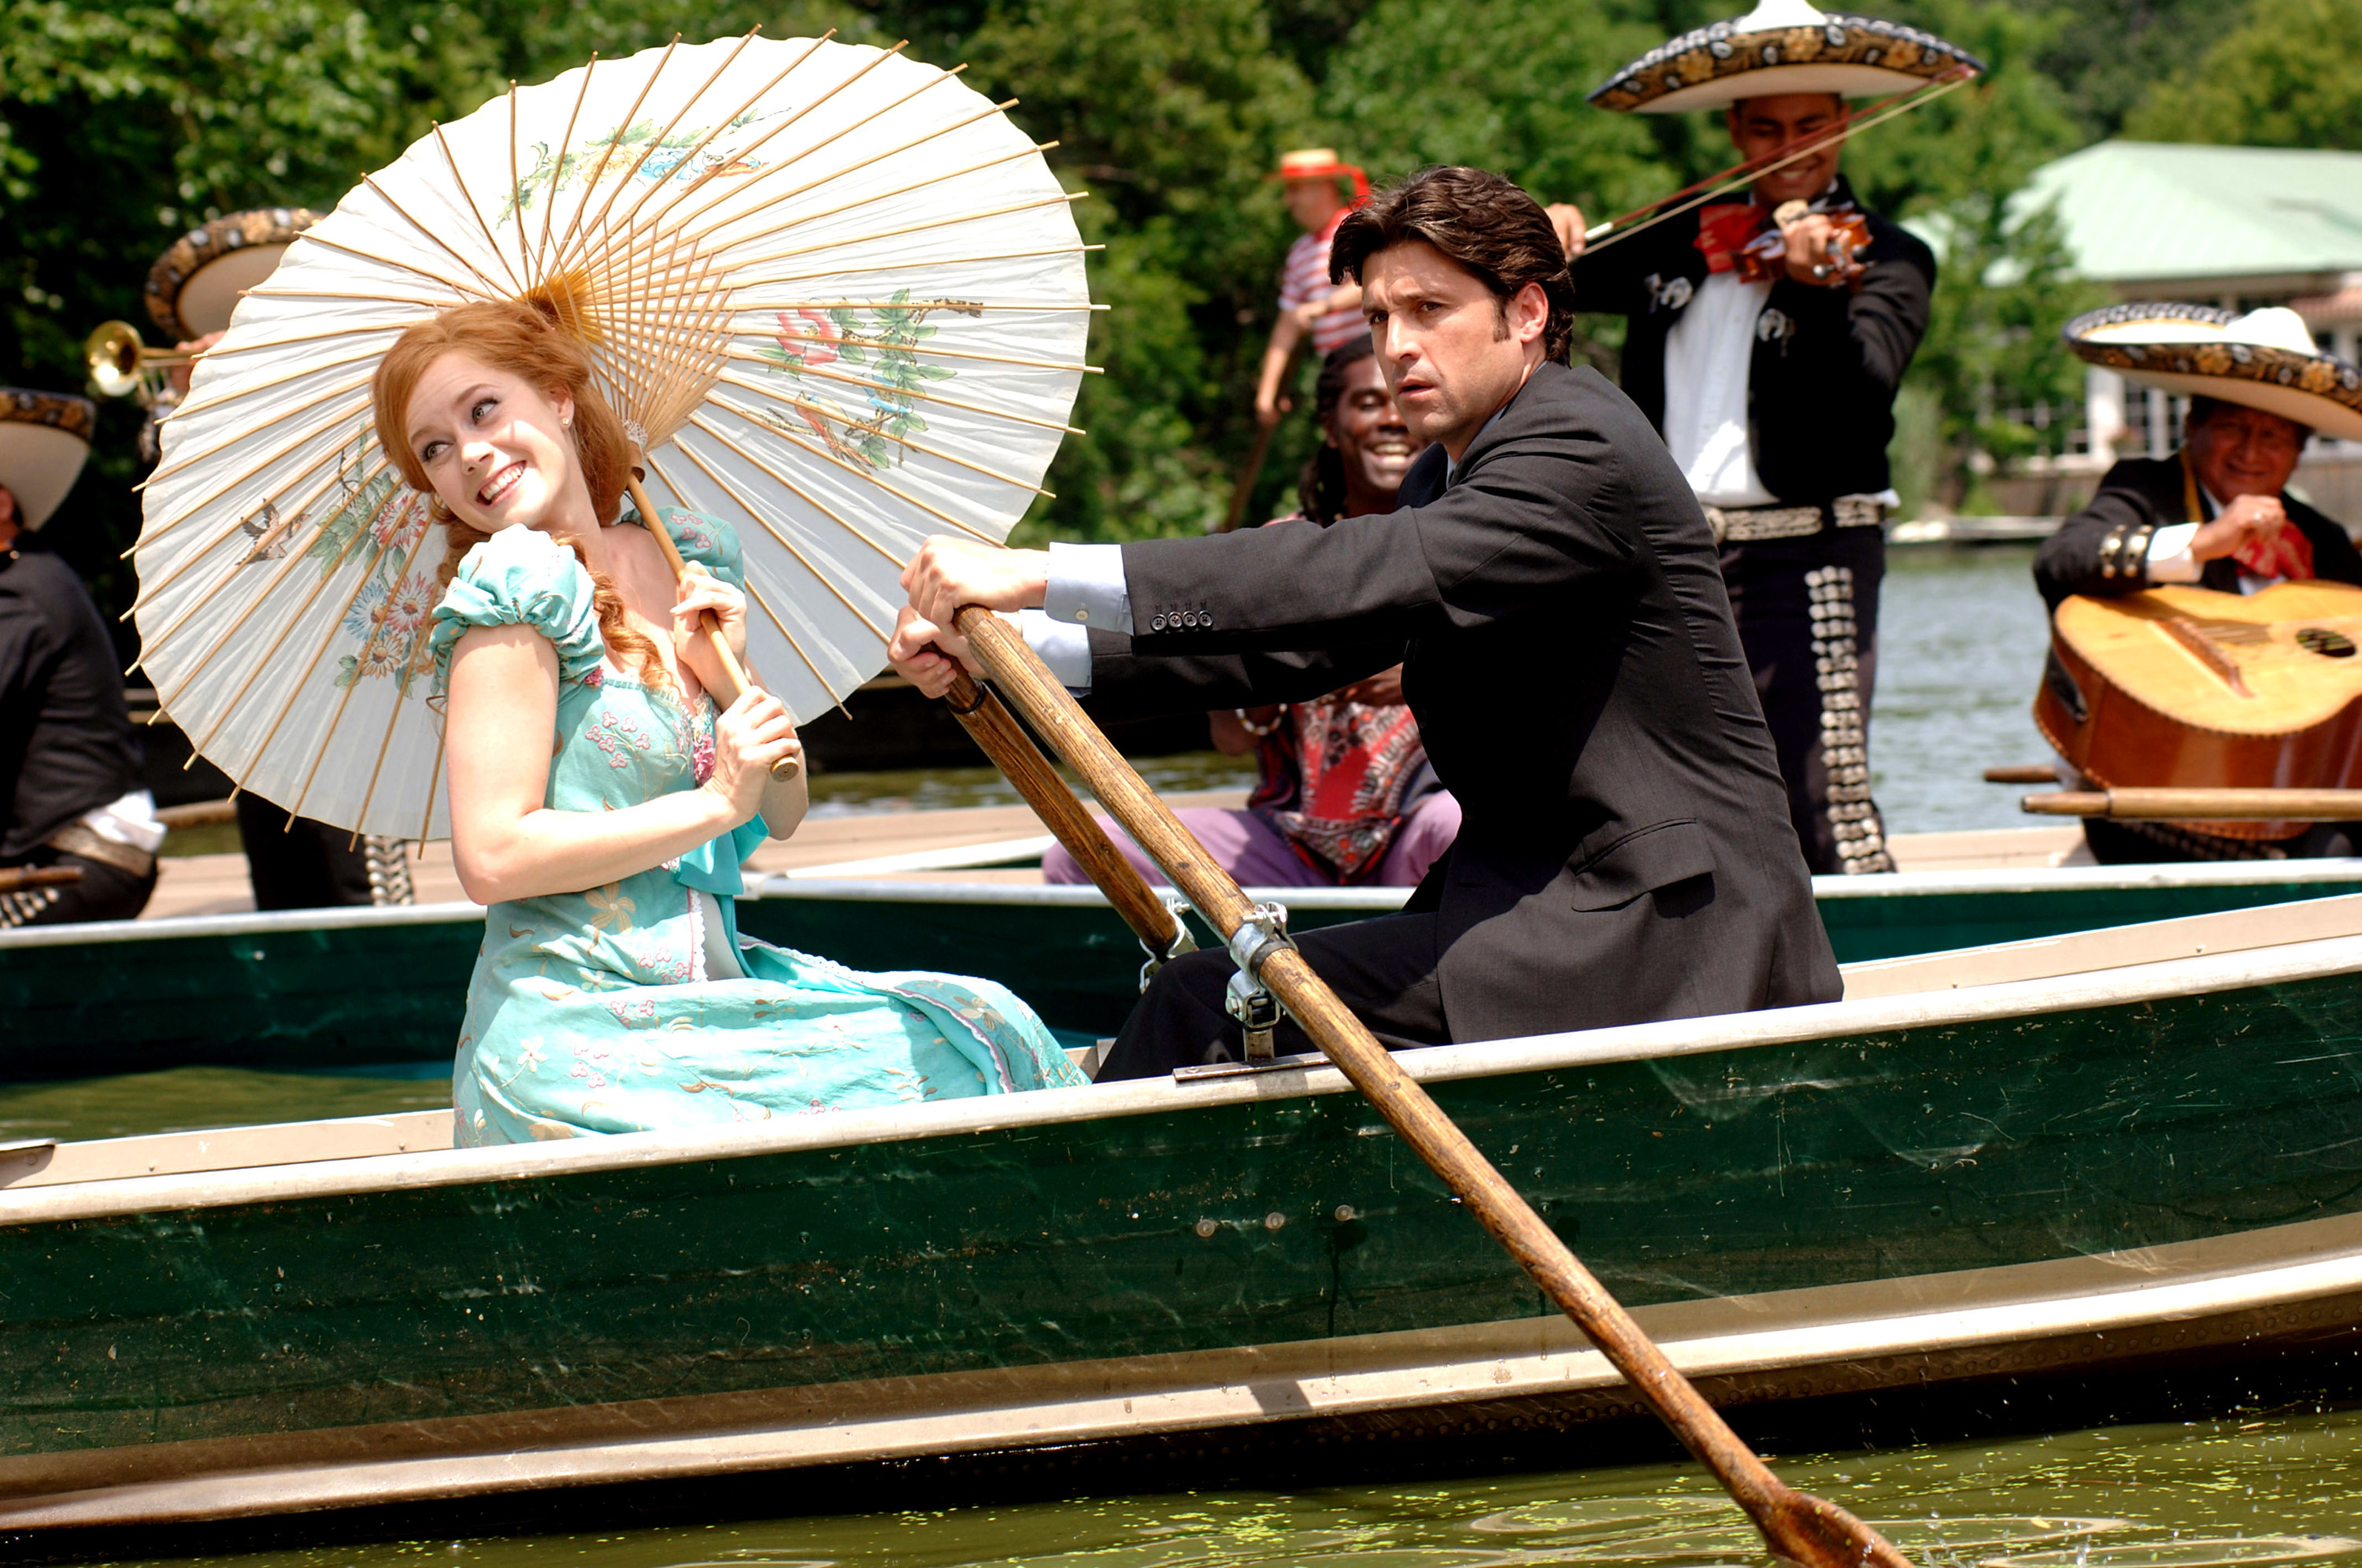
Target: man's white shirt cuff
[2168,554]
[1062,645]
[1086,588]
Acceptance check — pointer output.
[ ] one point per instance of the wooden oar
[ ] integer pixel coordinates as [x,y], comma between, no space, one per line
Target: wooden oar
[2201,805]
[1796,1526]
[1015,753]
[710,628]
[1243,492]
[2022,773]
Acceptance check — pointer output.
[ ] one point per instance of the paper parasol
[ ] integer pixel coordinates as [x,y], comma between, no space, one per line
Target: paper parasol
[839,293]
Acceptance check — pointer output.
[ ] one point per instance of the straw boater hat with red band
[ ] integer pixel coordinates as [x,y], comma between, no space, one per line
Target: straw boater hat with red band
[44,437]
[1320,163]
[1782,46]
[196,285]
[2264,359]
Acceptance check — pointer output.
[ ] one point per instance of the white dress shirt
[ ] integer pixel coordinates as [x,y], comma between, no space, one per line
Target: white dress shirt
[1709,357]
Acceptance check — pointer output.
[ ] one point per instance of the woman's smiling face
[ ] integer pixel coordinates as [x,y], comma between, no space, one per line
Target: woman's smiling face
[495,447]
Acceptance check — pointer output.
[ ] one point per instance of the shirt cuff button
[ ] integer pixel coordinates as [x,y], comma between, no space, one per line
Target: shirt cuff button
[1157,624]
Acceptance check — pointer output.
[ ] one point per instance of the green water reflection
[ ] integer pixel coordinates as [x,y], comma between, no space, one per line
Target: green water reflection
[187,1098]
[2233,1494]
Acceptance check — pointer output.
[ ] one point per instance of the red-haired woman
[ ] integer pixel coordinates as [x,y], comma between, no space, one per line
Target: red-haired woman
[602,808]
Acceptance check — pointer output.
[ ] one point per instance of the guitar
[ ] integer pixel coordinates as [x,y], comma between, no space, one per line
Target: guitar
[2188,687]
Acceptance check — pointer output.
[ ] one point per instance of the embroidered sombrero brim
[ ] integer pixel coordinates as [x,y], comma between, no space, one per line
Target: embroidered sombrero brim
[2263,359]
[44,437]
[196,285]
[1782,46]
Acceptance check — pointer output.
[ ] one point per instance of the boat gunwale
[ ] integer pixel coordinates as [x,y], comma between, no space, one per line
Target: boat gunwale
[1886,1332]
[788,886]
[2200,975]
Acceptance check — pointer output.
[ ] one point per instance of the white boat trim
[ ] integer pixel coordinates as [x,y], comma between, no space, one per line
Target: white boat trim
[2195,975]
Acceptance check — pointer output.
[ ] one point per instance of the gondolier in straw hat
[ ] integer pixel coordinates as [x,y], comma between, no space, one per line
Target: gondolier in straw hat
[1767,336]
[70,795]
[1549,585]
[2216,513]
[1311,306]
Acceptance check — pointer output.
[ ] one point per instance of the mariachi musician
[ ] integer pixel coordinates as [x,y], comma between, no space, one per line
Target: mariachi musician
[70,802]
[1767,338]
[192,291]
[2215,513]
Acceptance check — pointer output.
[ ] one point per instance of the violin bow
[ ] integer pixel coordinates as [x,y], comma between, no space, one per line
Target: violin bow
[1602,235]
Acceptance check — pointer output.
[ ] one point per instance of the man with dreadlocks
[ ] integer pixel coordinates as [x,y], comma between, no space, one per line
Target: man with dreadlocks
[1345,793]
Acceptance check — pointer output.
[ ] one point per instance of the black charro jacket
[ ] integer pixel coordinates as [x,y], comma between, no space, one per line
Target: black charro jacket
[2148,493]
[1827,361]
[1568,650]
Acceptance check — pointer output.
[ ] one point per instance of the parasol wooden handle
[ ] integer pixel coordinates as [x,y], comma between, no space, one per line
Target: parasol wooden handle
[1801,1528]
[2201,805]
[1015,753]
[787,767]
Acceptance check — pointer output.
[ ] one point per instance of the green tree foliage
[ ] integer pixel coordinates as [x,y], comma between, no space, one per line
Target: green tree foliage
[123,122]
[2288,75]
[2108,54]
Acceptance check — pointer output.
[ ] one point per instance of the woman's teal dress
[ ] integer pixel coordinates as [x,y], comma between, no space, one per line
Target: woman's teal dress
[638,1005]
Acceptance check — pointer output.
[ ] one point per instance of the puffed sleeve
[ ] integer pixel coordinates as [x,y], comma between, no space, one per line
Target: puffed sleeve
[709,541]
[521,577]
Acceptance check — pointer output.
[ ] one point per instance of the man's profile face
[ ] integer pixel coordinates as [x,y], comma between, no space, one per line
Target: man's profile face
[1452,353]
[2244,451]
[1312,202]
[1760,128]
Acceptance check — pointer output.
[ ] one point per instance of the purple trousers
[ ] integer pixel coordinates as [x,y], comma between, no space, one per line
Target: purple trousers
[1257,856]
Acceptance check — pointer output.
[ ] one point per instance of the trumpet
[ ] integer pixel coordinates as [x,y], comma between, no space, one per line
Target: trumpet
[120,364]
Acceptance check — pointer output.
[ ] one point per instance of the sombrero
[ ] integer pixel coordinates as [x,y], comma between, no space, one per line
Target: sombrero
[1320,163]
[1782,46]
[2264,359]
[194,286]
[44,437]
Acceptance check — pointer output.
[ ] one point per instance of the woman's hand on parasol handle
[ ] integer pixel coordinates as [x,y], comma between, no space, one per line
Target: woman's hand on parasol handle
[754,738]
[735,682]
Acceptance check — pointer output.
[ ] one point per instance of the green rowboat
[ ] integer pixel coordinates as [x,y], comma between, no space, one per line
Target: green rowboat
[2138,1143]
[341,990]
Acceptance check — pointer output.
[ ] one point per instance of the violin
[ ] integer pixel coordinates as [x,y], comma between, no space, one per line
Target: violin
[1849,232]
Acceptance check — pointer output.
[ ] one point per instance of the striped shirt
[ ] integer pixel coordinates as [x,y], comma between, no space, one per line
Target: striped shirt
[1305,277]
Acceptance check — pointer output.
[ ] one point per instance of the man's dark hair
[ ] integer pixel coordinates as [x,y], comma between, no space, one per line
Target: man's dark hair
[2203,411]
[1321,493]
[1483,222]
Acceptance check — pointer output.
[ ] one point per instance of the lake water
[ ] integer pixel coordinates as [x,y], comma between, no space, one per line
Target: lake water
[2238,1491]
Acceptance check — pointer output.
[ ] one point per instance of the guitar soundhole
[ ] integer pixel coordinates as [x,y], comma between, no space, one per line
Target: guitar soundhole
[2326,643]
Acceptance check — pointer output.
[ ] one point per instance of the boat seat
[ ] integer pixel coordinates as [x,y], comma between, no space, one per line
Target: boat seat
[2078,952]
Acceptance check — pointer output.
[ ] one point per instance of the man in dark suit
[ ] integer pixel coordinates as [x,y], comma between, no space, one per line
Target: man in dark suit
[1549,587]
[1766,339]
[2192,516]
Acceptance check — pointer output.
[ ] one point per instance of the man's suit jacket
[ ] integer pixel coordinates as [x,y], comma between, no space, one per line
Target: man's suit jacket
[2150,492]
[1568,650]
[1822,381]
